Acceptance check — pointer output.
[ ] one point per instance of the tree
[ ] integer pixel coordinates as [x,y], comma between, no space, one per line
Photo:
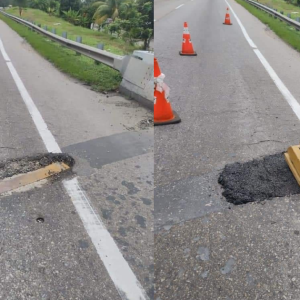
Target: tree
[39,4]
[88,11]
[21,4]
[66,5]
[105,10]
[4,3]
[146,8]
[71,16]
[137,21]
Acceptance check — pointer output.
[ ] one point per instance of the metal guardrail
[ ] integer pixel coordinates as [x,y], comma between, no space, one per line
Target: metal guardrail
[275,14]
[112,60]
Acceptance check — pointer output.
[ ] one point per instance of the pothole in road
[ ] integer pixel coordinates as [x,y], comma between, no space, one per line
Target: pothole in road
[18,173]
[258,180]
[13,167]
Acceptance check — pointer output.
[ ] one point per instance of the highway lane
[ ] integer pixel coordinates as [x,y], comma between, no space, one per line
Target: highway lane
[231,111]
[114,166]
[163,8]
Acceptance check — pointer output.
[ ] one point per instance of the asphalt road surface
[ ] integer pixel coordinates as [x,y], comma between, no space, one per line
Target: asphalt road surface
[57,259]
[231,111]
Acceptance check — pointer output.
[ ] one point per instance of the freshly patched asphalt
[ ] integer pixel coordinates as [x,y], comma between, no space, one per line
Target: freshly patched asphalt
[258,180]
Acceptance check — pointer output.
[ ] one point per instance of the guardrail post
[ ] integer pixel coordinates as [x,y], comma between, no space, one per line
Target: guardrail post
[282,14]
[101,47]
[45,28]
[53,30]
[64,35]
[78,40]
[289,16]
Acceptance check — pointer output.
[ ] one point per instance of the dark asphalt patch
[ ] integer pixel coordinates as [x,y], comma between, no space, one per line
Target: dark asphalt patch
[24,165]
[113,148]
[258,180]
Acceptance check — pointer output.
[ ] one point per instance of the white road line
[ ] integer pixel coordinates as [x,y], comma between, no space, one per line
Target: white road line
[179,6]
[126,283]
[251,43]
[294,104]
[5,56]
[37,118]
[280,85]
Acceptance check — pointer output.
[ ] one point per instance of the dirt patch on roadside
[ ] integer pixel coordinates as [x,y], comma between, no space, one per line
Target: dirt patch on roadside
[142,125]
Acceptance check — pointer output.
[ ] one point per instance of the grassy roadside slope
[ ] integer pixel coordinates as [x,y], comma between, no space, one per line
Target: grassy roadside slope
[282,5]
[283,30]
[100,77]
[89,37]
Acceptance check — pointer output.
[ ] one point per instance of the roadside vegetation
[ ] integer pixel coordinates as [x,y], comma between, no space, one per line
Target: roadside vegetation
[99,77]
[89,37]
[121,25]
[288,7]
[287,33]
[130,21]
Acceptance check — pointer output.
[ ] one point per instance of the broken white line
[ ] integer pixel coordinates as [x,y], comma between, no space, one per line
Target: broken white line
[179,6]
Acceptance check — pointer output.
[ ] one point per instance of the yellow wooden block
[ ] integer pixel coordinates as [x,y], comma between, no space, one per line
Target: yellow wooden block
[292,157]
[9,184]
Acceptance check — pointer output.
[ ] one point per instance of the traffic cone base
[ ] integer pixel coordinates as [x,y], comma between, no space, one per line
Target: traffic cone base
[292,157]
[188,54]
[176,119]
[227,23]
[163,112]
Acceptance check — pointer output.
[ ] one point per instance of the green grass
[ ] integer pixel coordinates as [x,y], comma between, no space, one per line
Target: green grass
[99,77]
[287,33]
[281,5]
[89,37]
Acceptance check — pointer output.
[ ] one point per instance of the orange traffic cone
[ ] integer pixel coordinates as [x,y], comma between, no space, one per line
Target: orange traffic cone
[157,71]
[187,45]
[227,18]
[163,113]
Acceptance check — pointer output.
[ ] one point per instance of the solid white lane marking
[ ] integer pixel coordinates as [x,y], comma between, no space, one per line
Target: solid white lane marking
[5,56]
[105,245]
[280,85]
[37,118]
[179,6]
[251,43]
[126,283]
[294,104]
